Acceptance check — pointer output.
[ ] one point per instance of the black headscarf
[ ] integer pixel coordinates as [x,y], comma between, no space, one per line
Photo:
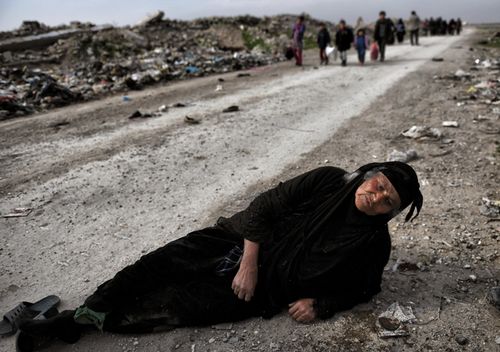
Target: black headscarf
[401,175]
[405,180]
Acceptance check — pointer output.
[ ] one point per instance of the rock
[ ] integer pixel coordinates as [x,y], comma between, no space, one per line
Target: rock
[494,297]
[437,59]
[232,108]
[404,157]
[462,340]
[490,208]
[191,120]
[389,323]
[422,132]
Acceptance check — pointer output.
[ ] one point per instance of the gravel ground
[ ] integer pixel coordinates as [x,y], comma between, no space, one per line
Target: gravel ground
[105,189]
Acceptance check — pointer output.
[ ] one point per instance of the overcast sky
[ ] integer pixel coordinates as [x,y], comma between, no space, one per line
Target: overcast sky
[121,12]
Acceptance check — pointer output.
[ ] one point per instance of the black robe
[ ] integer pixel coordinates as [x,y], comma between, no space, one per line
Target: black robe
[314,243]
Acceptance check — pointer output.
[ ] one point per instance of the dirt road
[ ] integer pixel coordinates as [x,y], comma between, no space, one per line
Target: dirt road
[105,189]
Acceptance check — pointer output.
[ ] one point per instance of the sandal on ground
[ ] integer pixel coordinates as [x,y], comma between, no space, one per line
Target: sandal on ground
[27,310]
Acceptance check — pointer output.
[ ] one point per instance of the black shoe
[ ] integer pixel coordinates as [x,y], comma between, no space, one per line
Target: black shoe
[62,326]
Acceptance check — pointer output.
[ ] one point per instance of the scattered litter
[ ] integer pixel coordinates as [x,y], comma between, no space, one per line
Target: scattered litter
[402,156]
[232,108]
[163,108]
[138,114]
[179,105]
[449,124]
[461,74]
[393,321]
[191,120]
[471,90]
[218,88]
[59,124]
[126,98]
[422,132]
[18,212]
[243,75]
[490,207]
[497,340]
[437,59]
[221,79]
[192,69]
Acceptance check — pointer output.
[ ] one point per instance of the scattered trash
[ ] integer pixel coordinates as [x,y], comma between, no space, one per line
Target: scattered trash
[218,88]
[163,108]
[393,322]
[437,59]
[18,212]
[192,69]
[462,74]
[58,125]
[44,67]
[191,120]
[402,156]
[449,124]
[490,208]
[422,133]
[126,98]
[179,105]
[232,108]
[138,114]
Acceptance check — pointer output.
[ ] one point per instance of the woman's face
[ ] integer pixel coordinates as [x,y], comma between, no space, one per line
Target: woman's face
[377,196]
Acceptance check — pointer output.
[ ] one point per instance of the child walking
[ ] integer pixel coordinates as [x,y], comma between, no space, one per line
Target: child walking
[323,40]
[361,43]
[343,40]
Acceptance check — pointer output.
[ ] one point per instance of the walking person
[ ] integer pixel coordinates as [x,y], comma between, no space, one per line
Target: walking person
[384,33]
[414,27]
[362,44]
[343,40]
[298,39]
[400,31]
[323,40]
[459,26]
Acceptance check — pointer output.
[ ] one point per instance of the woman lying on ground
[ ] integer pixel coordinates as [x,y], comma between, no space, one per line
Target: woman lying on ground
[316,244]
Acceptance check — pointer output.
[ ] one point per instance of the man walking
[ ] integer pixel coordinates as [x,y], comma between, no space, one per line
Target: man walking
[414,27]
[384,33]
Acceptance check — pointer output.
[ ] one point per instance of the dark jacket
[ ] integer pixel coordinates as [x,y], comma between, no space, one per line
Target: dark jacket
[384,30]
[323,38]
[343,39]
[308,248]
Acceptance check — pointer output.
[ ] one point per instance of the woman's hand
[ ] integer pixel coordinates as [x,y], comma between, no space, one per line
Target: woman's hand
[246,278]
[244,282]
[302,310]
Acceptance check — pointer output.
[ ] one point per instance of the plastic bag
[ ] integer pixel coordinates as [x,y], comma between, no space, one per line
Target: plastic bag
[331,50]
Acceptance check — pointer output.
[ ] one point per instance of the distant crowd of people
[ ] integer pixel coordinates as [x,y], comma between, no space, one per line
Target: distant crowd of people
[385,33]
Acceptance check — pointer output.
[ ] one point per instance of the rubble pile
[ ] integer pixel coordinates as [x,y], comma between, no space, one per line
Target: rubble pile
[85,61]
